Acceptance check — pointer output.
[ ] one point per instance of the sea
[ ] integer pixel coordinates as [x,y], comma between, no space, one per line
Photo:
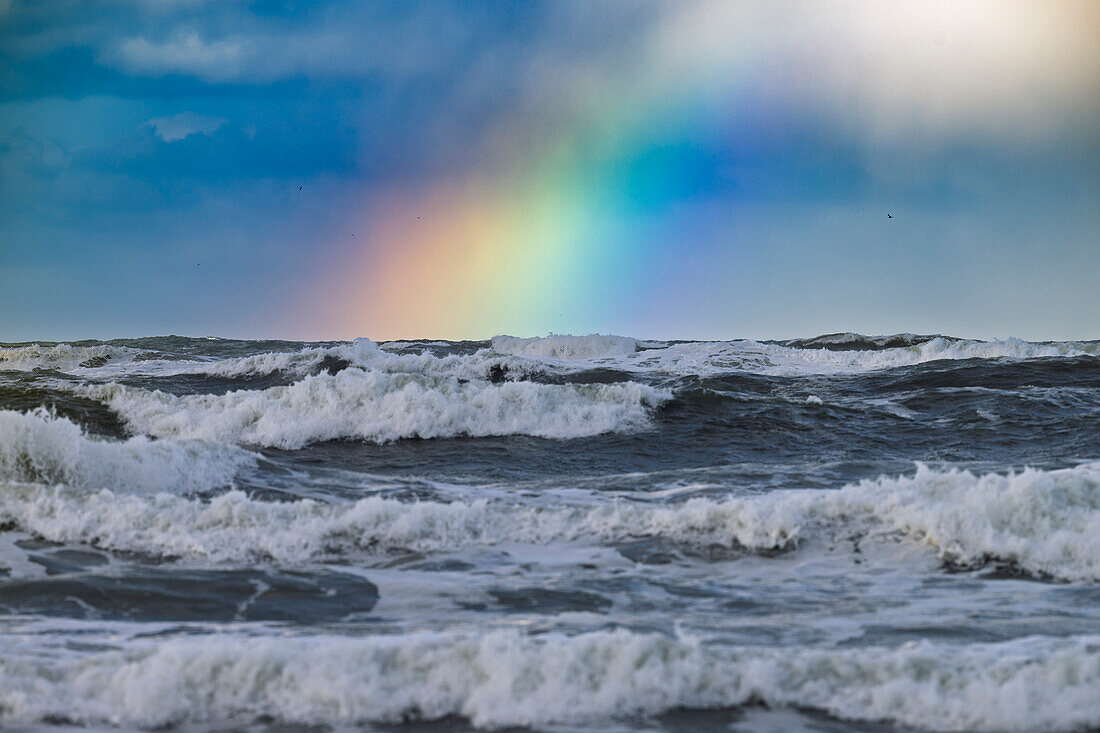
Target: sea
[568,534]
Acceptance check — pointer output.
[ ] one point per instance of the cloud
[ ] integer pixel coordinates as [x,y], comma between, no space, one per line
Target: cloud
[426,86]
[901,71]
[339,40]
[912,95]
[179,126]
[186,53]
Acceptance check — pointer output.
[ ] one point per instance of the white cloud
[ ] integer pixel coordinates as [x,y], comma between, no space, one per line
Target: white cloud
[901,70]
[177,127]
[353,43]
[185,53]
[905,82]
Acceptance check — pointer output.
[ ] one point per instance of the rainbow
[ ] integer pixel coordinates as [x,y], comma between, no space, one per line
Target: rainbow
[579,229]
[633,211]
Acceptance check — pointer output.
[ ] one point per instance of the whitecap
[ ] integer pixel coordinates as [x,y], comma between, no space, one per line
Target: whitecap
[381,406]
[504,678]
[1042,522]
[40,447]
[592,346]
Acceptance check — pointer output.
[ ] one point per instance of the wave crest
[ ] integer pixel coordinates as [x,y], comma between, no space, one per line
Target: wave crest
[64,357]
[380,407]
[558,354]
[1042,522]
[503,678]
[712,358]
[40,447]
[592,346]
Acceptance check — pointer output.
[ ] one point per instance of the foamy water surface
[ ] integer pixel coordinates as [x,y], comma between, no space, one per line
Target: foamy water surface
[592,533]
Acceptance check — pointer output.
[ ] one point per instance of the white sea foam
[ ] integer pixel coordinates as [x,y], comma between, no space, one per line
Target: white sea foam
[368,355]
[235,528]
[362,353]
[564,354]
[64,357]
[592,346]
[381,406]
[569,353]
[1043,522]
[561,354]
[708,358]
[106,361]
[40,447]
[504,678]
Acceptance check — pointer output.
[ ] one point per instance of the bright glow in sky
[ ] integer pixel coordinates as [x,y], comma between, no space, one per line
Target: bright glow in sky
[690,170]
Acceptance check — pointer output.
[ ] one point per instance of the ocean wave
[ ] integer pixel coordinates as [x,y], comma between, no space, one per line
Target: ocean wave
[858,341]
[64,357]
[380,406]
[365,354]
[503,678]
[592,346]
[564,354]
[361,353]
[106,361]
[40,447]
[835,354]
[368,355]
[708,359]
[1040,522]
[235,528]
[515,357]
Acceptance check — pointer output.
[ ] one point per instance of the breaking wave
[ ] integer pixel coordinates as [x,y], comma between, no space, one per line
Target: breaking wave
[503,678]
[362,353]
[64,357]
[710,358]
[520,357]
[856,341]
[593,346]
[41,447]
[379,407]
[1041,522]
[831,354]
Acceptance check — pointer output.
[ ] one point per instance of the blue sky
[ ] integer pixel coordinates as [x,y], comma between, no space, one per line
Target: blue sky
[151,156]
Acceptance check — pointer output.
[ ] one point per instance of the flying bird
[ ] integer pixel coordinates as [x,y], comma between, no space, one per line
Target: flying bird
[889,216]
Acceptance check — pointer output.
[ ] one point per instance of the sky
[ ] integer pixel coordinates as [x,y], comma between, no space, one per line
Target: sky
[391,170]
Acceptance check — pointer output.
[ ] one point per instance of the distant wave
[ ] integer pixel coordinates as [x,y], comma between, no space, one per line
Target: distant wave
[361,353]
[593,346]
[1039,522]
[40,447]
[113,362]
[503,678]
[64,357]
[514,357]
[849,341]
[708,359]
[380,406]
[832,354]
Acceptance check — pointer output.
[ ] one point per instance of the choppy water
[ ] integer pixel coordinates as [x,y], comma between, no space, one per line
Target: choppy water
[571,533]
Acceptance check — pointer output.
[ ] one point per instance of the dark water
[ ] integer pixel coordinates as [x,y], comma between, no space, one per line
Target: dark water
[573,533]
